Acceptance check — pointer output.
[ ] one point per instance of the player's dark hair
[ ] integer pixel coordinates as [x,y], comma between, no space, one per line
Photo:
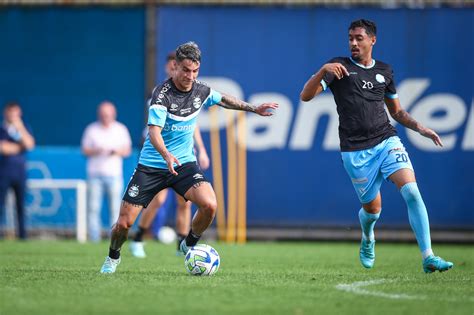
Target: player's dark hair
[369,26]
[189,50]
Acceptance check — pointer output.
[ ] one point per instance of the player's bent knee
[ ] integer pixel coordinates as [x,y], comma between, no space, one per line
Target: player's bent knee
[373,209]
[209,207]
[124,223]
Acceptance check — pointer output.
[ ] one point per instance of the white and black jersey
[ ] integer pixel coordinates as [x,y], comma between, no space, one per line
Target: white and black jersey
[363,121]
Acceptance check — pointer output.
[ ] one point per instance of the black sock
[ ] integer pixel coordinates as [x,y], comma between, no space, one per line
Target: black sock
[114,253]
[139,236]
[181,237]
[192,239]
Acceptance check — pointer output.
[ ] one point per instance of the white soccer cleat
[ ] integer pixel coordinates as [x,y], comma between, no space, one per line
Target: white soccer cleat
[110,265]
[183,247]
[137,249]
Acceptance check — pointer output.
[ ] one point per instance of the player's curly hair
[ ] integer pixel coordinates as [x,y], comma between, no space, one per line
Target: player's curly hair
[369,26]
[189,50]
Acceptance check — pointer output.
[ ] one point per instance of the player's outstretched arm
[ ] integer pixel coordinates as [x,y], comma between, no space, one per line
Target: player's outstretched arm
[231,102]
[313,86]
[159,144]
[402,116]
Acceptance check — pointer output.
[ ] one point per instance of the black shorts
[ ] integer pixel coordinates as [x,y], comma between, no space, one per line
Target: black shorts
[147,181]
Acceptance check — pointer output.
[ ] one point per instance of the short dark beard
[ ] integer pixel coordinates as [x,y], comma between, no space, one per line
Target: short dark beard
[356,58]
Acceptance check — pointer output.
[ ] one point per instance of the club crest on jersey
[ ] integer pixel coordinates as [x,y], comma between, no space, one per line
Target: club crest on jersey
[133,191]
[197,102]
[380,78]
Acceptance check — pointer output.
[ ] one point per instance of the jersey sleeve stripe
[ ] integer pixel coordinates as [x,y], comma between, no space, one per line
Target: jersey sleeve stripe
[391,96]
[324,85]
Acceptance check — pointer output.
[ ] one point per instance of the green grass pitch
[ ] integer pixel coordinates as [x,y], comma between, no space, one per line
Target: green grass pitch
[62,277]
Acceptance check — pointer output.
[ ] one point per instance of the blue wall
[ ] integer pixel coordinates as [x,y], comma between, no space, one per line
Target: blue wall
[276,49]
[59,63]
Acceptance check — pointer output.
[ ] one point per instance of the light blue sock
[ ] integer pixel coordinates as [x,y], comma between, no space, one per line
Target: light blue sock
[418,217]
[367,223]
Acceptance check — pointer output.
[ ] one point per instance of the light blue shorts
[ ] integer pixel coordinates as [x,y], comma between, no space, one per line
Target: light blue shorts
[368,168]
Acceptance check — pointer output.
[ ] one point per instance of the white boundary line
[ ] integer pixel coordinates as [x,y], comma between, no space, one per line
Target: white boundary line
[359,288]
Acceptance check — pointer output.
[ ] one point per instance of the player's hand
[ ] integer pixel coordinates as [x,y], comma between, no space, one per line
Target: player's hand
[337,69]
[266,109]
[428,133]
[170,160]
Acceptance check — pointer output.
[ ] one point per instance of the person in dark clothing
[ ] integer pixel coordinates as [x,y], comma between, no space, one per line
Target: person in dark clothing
[15,140]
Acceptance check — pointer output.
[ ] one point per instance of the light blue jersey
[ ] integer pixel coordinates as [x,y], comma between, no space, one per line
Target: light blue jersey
[176,112]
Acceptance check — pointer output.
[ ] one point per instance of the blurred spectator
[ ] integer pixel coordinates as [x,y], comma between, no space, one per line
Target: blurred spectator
[15,139]
[105,143]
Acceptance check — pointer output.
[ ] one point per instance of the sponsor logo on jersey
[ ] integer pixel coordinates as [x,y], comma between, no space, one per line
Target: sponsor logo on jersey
[133,191]
[380,78]
[185,111]
[197,102]
[173,107]
[161,94]
[352,73]
[167,127]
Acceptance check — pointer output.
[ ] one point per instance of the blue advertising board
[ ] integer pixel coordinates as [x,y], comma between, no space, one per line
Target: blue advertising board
[295,174]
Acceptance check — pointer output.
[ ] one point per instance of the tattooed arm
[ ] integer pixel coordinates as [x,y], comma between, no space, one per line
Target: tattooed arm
[234,103]
[402,116]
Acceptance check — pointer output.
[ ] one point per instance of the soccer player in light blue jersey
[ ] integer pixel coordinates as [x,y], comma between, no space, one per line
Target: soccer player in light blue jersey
[167,158]
[370,148]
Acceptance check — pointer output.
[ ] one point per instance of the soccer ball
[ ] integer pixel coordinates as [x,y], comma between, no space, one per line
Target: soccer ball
[202,260]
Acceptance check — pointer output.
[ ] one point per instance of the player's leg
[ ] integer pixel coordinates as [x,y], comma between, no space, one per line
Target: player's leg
[398,168]
[191,184]
[368,216]
[146,219]
[363,169]
[145,183]
[127,216]
[94,200]
[183,219]
[405,181]
[204,197]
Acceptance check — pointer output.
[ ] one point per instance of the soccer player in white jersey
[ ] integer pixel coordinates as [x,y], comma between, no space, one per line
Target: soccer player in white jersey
[370,148]
[167,158]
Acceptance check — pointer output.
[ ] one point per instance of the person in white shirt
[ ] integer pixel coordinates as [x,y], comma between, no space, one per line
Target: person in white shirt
[105,143]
